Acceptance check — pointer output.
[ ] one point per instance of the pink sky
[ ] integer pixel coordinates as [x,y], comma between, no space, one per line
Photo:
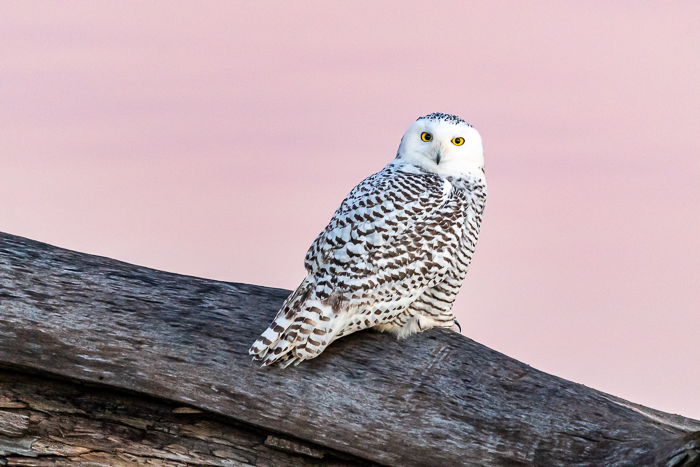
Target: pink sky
[216,139]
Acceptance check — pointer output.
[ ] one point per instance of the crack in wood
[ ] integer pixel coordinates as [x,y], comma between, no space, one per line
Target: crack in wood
[55,423]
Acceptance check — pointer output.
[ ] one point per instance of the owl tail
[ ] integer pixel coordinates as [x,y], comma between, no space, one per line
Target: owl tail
[302,329]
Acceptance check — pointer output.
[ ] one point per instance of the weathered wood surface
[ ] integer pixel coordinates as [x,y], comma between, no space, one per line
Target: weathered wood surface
[47,423]
[437,398]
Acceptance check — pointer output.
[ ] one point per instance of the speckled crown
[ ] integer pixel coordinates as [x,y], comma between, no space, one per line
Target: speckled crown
[448,118]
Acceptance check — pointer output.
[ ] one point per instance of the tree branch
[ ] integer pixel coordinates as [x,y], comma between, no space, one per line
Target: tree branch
[437,398]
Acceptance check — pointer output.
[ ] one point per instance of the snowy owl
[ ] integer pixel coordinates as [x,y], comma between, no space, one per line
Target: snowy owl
[396,251]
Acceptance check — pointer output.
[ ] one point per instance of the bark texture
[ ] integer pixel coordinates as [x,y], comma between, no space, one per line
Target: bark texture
[135,352]
[46,422]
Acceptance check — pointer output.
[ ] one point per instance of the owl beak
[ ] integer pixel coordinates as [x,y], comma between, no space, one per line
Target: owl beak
[438,157]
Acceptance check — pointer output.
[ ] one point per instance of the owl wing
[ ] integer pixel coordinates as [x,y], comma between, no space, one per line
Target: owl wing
[395,235]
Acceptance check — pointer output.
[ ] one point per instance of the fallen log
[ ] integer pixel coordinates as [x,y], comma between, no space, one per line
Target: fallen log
[105,362]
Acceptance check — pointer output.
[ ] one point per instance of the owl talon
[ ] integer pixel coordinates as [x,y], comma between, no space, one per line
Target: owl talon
[460,327]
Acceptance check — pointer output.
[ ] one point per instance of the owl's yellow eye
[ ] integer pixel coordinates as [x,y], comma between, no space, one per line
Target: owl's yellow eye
[458,141]
[425,136]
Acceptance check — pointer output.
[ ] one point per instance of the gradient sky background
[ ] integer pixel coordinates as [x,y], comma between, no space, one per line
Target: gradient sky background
[216,139]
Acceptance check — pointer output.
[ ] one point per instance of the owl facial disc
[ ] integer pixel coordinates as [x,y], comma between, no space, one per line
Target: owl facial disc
[443,144]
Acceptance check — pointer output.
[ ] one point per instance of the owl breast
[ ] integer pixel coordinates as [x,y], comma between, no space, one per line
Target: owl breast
[433,307]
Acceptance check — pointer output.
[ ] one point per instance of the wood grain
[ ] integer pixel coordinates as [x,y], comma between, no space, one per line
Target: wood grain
[58,423]
[437,398]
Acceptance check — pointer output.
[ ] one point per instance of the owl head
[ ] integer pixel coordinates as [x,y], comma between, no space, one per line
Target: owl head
[443,144]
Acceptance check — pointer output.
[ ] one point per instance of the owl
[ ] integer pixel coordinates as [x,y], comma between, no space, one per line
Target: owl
[396,251]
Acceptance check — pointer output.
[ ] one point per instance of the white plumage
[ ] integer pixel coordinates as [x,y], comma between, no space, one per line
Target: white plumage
[396,251]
